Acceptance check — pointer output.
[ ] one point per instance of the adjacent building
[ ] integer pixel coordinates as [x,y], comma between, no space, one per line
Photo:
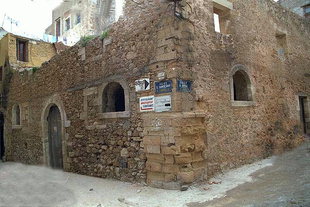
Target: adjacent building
[300,7]
[164,98]
[74,19]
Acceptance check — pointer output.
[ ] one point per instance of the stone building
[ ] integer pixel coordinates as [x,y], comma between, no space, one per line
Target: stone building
[164,99]
[18,53]
[73,19]
[300,7]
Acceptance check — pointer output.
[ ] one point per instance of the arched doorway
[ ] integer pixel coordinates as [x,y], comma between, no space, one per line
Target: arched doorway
[55,137]
[1,136]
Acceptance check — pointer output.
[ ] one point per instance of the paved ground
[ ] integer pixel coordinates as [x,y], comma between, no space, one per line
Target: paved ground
[285,184]
[278,181]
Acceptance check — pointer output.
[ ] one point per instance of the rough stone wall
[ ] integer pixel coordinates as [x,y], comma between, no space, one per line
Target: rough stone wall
[240,134]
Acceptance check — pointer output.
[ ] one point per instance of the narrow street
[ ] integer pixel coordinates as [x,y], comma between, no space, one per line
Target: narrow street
[277,181]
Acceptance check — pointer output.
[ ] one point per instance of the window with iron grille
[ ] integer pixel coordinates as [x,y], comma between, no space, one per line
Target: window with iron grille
[22,50]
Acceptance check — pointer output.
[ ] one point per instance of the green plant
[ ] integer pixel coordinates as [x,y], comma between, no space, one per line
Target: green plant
[34,69]
[104,35]
[85,39]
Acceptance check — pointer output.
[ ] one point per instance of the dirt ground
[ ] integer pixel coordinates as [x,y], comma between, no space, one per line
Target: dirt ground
[278,181]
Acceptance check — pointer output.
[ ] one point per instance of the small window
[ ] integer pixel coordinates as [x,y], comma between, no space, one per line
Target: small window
[221,15]
[113,98]
[1,73]
[58,31]
[22,50]
[281,44]
[67,24]
[16,115]
[307,11]
[78,19]
[241,86]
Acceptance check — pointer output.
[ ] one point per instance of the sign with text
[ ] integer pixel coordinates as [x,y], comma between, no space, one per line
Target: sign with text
[142,84]
[162,103]
[184,86]
[146,104]
[163,86]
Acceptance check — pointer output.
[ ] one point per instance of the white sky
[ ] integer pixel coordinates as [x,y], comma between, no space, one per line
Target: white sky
[33,16]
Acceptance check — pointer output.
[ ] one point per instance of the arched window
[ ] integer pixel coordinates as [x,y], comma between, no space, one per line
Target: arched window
[16,115]
[241,89]
[113,98]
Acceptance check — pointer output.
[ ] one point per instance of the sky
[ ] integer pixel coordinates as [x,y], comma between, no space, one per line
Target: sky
[32,16]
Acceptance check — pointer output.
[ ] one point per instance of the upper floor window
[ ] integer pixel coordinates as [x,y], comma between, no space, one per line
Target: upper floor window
[221,15]
[58,27]
[113,98]
[22,50]
[78,18]
[16,115]
[307,11]
[68,23]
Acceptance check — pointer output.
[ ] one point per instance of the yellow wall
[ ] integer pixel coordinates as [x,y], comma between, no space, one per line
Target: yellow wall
[38,52]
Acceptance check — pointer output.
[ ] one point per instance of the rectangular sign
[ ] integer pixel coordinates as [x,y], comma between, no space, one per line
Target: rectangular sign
[184,86]
[163,86]
[163,103]
[146,103]
[142,84]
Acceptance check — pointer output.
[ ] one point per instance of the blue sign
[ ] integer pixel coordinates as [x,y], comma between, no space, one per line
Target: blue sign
[163,86]
[184,86]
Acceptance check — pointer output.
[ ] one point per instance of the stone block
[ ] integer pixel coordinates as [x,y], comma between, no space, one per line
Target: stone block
[156,158]
[201,164]
[183,158]
[153,166]
[169,159]
[173,150]
[197,156]
[166,168]
[186,177]
[170,177]
[151,140]
[152,149]
[155,176]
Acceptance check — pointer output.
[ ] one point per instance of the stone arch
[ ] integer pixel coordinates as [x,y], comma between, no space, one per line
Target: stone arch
[109,93]
[52,102]
[241,88]
[16,115]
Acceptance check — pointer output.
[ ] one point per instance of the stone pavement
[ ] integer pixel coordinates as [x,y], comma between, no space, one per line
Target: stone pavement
[285,184]
[280,181]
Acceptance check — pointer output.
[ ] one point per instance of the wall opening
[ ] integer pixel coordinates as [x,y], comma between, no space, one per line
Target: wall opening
[307,10]
[113,98]
[221,15]
[2,147]
[67,23]
[58,27]
[16,115]
[241,86]
[304,114]
[22,50]
[281,44]
[55,137]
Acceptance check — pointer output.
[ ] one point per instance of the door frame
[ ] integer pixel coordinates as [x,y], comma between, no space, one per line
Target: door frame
[3,139]
[303,112]
[54,101]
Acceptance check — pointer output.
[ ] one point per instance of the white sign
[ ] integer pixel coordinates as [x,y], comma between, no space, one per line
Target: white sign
[162,103]
[142,84]
[147,103]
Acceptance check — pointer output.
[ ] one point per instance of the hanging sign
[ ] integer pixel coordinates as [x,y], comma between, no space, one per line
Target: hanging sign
[142,84]
[162,103]
[163,86]
[184,86]
[146,104]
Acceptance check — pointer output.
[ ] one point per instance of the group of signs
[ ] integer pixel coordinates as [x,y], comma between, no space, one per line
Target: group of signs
[160,103]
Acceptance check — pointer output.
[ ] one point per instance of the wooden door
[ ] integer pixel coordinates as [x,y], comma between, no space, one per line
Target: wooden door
[1,136]
[54,138]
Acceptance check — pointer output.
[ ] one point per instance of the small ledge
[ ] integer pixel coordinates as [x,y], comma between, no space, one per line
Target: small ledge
[16,126]
[242,103]
[114,115]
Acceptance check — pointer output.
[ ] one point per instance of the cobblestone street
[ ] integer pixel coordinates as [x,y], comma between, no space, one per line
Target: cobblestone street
[280,181]
[286,183]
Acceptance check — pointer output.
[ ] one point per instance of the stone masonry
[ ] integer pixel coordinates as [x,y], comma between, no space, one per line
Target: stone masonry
[204,128]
